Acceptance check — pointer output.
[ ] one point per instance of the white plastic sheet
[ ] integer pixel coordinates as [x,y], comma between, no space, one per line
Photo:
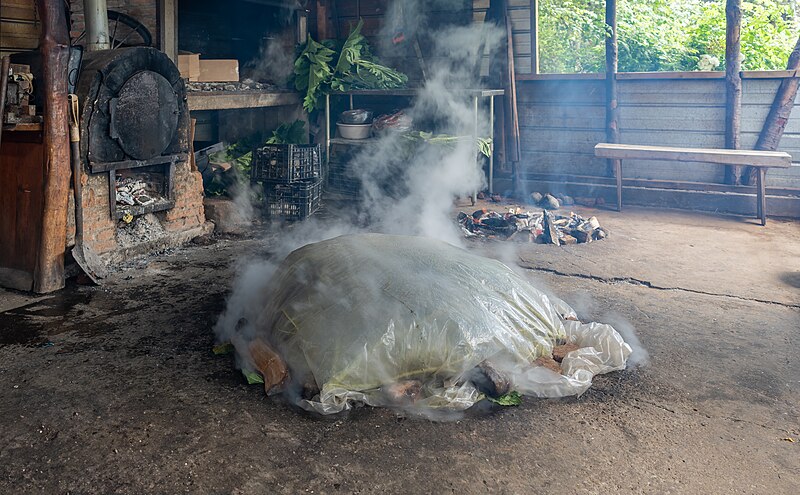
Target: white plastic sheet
[358,312]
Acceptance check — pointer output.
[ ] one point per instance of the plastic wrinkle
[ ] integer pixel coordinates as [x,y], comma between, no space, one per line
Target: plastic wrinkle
[358,312]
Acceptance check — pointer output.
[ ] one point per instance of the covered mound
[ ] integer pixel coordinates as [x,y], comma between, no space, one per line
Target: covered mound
[394,320]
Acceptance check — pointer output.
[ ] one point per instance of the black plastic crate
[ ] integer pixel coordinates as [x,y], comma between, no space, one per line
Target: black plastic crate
[344,185]
[286,163]
[295,201]
[341,181]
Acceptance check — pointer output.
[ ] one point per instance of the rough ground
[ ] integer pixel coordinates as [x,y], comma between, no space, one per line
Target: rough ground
[114,389]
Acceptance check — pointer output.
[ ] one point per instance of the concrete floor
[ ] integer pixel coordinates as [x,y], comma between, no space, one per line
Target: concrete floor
[114,389]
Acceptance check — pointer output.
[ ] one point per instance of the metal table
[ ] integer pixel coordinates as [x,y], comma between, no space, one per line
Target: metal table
[474,94]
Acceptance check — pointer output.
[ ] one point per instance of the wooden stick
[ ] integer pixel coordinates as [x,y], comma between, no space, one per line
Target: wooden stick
[54,45]
[511,93]
[733,84]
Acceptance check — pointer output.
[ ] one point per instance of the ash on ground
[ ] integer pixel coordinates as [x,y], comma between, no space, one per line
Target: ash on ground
[542,227]
[141,229]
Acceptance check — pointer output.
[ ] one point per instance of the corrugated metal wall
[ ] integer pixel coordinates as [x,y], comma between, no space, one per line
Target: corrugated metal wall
[562,119]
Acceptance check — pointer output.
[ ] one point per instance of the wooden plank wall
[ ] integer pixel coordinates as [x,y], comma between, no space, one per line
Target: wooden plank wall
[562,119]
[19,26]
[21,206]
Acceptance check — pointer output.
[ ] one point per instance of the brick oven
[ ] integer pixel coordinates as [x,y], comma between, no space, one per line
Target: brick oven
[140,190]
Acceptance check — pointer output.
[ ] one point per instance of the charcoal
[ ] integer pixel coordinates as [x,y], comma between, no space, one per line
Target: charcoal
[599,233]
[550,231]
[518,225]
[581,236]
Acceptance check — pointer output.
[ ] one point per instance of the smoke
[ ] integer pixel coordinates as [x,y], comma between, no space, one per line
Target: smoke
[639,357]
[407,187]
[242,193]
[274,64]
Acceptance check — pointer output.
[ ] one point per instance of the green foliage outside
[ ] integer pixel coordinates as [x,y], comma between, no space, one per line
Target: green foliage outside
[660,35]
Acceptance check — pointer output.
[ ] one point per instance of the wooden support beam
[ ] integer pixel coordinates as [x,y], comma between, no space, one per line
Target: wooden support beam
[168,28]
[612,98]
[779,113]
[534,36]
[733,84]
[54,46]
[323,31]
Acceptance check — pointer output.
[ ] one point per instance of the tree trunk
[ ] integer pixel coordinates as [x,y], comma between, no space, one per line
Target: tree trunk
[733,84]
[612,62]
[54,47]
[779,114]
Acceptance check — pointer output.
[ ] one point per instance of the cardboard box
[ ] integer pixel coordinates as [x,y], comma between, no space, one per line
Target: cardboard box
[219,71]
[189,65]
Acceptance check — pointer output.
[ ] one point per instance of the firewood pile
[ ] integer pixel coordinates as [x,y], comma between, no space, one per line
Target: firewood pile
[523,226]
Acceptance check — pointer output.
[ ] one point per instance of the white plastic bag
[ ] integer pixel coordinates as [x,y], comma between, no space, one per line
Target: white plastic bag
[355,313]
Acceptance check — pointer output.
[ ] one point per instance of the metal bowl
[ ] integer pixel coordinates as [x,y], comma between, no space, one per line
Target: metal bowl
[357,116]
[354,131]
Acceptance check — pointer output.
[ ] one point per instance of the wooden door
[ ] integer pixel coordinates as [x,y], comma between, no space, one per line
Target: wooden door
[21,206]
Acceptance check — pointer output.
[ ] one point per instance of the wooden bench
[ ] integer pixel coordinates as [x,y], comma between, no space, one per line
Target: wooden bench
[762,160]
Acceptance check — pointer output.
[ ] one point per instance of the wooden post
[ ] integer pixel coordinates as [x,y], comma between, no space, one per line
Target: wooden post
[534,36]
[323,33]
[168,28]
[733,85]
[5,66]
[612,63]
[778,116]
[54,46]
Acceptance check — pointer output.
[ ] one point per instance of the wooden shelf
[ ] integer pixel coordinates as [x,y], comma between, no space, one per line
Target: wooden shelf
[228,100]
[32,127]
[353,142]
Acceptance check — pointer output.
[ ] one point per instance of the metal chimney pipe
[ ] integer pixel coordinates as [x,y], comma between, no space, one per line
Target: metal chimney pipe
[95,18]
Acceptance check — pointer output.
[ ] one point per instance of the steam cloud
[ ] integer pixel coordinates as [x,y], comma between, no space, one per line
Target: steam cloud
[423,185]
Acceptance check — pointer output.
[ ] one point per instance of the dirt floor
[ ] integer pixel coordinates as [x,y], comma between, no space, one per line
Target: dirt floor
[114,389]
